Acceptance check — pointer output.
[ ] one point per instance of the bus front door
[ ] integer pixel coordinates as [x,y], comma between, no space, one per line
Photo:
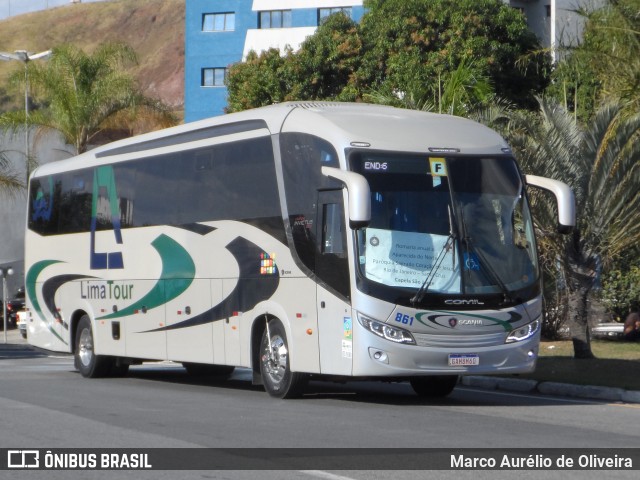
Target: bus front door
[332,269]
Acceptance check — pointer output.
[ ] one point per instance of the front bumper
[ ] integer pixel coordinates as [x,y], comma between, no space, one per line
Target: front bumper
[375,356]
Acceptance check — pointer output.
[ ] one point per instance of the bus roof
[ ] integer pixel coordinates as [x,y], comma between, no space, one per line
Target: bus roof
[344,124]
[389,128]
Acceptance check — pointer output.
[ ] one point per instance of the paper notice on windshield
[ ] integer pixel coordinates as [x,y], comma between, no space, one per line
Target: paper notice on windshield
[404,259]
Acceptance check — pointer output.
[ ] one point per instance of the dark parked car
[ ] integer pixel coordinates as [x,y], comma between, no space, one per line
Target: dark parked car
[14,305]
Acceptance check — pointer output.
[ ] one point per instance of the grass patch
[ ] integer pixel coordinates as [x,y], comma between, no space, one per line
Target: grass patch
[617,364]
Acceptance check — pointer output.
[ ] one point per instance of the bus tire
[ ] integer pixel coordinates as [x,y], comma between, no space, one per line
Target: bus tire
[87,362]
[278,379]
[205,370]
[435,386]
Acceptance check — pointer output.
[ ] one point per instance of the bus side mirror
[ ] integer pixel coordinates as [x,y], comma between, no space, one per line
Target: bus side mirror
[564,197]
[359,195]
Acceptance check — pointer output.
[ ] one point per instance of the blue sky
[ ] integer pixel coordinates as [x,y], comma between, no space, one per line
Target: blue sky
[17,7]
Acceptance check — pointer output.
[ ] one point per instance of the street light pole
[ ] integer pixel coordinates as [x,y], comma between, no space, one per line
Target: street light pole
[5,272]
[24,57]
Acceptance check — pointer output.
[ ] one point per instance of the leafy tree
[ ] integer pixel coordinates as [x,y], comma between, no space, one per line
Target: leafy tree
[325,68]
[575,87]
[601,163]
[606,65]
[327,63]
[603,69]
[611,50]
[463,93]
[411,45]
[258,81]
[621,286]
[413,49]
[84,94]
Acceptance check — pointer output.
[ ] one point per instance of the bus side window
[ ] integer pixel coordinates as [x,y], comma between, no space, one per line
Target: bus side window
[75,201]
[332,230]
[43,206]
[303,157]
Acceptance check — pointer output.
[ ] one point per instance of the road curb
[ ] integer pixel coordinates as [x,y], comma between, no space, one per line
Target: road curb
[592,392]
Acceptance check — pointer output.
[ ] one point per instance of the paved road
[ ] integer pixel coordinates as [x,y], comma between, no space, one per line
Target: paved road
[46,404]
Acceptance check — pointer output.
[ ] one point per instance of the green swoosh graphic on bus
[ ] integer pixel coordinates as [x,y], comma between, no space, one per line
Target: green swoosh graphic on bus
[505,324]
[177,266]
[30,284]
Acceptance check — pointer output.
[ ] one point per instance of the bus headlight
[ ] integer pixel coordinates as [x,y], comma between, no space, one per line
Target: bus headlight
[524,332]
[393,334]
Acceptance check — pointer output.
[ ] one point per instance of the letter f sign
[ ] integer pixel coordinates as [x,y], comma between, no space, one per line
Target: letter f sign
[438,167]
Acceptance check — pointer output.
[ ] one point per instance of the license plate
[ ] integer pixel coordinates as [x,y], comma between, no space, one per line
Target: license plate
[459,359]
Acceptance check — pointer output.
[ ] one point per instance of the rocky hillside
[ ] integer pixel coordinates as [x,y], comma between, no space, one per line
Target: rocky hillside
[154,28]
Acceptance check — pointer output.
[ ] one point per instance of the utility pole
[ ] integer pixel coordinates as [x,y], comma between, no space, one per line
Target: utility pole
[5,272]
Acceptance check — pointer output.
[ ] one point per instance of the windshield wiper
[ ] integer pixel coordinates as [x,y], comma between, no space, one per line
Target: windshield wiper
[449,244]
[486,265]
[492,273]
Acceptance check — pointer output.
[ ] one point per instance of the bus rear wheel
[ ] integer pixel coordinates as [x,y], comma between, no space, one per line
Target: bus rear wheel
[279,381]
[87,362]
[435,386]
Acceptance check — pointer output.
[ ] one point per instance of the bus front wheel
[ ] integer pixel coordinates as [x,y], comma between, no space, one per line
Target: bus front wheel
[279,381]
[87,362]
[434,387]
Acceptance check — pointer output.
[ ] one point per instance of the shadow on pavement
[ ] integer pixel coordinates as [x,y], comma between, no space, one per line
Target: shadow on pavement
[13,346]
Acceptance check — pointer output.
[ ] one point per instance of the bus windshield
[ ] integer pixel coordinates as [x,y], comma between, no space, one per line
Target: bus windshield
[454,225]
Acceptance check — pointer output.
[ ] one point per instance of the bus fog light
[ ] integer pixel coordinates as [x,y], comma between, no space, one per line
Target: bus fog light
[523,333]
[379,355]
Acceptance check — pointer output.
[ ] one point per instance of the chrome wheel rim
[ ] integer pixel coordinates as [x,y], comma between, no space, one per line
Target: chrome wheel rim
[85,347]
[276,358]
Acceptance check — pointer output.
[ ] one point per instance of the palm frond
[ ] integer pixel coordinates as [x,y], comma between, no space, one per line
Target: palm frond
[10,182]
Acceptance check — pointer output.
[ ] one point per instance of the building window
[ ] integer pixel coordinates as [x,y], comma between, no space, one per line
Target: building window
[324,13]
[547,9]
[275,19]
[219,22]
[214,77]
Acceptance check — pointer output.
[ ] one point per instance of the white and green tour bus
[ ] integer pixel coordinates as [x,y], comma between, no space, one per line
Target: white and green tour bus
[300,240]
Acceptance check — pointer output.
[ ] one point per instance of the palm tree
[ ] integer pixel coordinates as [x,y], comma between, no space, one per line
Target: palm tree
[85,94]
[10,183]
[612,49]
[605,66]
[602,164]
